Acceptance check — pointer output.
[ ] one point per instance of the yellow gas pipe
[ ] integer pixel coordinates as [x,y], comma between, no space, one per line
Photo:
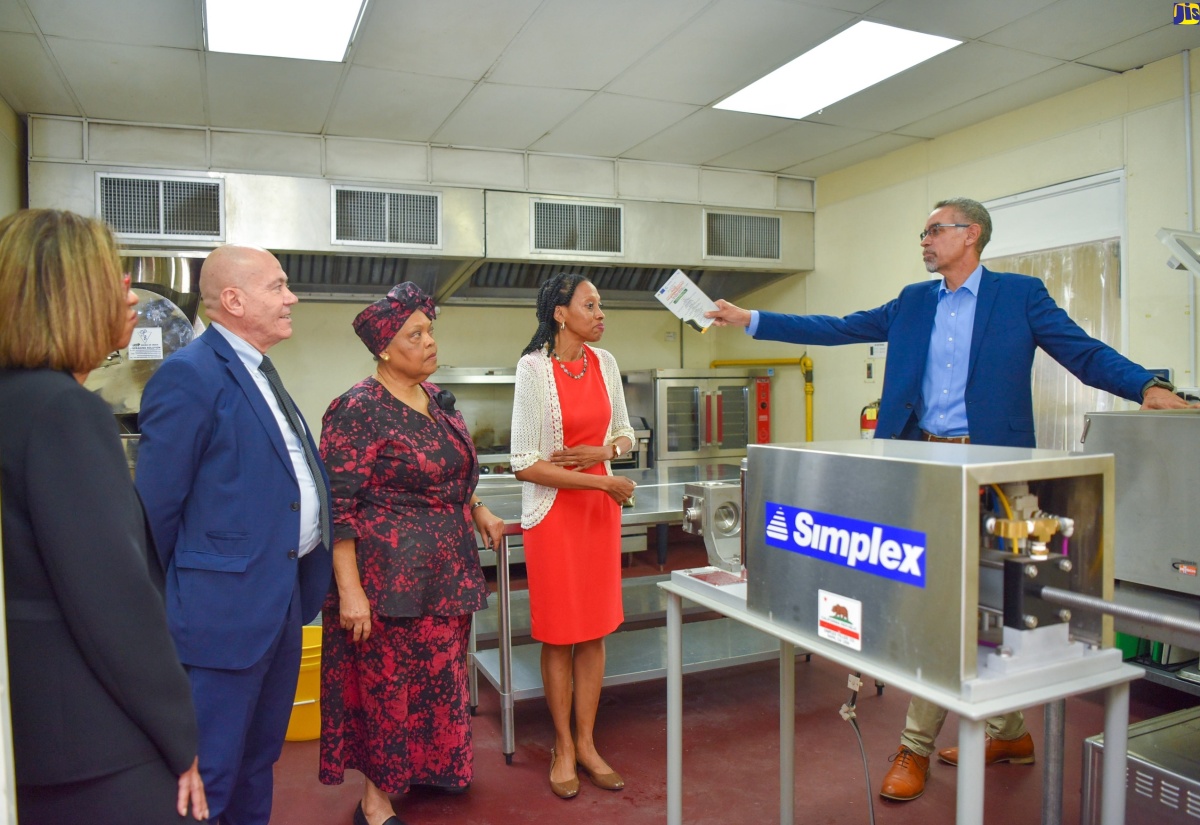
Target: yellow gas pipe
[806,366]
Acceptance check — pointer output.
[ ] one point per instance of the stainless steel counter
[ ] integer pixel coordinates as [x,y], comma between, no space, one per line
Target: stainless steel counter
[658,499]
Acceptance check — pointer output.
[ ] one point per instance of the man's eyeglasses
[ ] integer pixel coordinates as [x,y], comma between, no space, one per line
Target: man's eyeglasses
[934,228]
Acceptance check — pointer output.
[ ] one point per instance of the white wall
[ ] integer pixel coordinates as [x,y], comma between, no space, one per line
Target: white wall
[868,217]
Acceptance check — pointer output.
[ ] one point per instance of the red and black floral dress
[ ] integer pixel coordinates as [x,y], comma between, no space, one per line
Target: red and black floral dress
[395,706]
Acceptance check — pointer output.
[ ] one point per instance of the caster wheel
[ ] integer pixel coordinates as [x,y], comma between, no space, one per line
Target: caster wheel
[879,686]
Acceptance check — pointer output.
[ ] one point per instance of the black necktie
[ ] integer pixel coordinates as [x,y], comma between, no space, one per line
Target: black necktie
[293,416]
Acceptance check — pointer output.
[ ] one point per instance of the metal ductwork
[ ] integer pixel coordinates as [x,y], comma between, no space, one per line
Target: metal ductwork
[463,246]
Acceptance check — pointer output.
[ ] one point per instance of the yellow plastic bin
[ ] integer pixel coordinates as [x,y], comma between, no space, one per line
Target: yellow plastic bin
[305,723]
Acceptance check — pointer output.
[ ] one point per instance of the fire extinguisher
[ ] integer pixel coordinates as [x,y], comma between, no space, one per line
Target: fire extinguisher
[866,421]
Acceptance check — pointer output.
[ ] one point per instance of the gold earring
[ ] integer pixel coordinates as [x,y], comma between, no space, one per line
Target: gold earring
[562,325]
[384,356]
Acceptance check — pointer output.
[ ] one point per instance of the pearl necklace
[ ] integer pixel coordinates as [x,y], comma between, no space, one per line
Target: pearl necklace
[566,371]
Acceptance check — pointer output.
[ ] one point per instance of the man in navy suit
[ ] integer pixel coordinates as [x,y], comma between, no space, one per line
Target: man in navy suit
[960,352]
[238,505]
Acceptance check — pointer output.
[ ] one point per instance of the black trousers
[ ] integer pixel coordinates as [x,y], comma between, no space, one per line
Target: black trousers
[141,795]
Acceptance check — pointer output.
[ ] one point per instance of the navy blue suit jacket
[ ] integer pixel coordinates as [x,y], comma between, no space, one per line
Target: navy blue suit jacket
[1014,315]
[222,498]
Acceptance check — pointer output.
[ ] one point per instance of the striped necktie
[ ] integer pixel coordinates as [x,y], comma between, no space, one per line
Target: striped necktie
[293,416]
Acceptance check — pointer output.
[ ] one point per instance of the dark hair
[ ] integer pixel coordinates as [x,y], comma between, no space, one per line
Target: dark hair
[556,291]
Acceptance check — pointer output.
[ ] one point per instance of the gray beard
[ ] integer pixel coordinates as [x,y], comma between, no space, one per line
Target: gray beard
[931,266]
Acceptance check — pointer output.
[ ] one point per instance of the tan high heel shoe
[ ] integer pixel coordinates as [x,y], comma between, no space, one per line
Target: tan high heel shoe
[563,790]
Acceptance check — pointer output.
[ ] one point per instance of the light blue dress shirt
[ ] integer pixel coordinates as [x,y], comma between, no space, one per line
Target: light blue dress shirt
[944,385]
[310,504]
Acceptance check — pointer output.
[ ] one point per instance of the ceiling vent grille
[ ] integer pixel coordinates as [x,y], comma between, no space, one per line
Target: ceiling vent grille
[387,218]
[729,235]
[162,208]
[564,226]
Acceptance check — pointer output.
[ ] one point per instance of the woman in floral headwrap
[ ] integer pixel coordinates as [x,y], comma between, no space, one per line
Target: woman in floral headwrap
[402,470]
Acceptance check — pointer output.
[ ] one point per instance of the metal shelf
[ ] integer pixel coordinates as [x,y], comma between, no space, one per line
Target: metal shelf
[1165,677]
[643,601]
[641,655]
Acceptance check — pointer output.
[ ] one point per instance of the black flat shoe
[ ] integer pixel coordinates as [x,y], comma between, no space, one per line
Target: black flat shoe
[361,819]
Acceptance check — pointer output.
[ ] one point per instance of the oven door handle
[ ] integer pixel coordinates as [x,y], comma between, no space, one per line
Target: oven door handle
[708,419]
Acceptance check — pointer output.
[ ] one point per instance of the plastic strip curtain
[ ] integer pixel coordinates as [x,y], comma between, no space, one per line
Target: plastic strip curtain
[1084,280]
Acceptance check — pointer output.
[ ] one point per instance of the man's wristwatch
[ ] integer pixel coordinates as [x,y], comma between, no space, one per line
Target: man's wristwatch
[1157,382]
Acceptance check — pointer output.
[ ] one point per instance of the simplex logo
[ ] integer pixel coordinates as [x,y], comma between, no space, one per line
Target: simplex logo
[879,549]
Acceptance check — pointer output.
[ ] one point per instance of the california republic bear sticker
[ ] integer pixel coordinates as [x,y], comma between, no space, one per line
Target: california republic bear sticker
[839,619]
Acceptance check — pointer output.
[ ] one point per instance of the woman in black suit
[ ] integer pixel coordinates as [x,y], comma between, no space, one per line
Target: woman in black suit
[102,718]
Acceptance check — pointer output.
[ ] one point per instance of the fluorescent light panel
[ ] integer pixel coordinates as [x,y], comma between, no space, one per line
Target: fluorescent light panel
[301,29]
[861,56]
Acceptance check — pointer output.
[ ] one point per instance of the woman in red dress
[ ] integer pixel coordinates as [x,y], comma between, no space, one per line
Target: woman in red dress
[569,420]
[402,471]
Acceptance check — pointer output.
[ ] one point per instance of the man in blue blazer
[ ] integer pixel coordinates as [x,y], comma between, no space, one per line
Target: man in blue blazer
[960,353]
[238,504]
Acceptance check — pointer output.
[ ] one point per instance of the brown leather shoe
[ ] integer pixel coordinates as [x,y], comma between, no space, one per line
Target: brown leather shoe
[905,779]
[611,781]
[1018,751]
[563,790]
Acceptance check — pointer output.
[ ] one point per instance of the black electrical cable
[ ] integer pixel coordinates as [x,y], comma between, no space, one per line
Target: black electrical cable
[847,713]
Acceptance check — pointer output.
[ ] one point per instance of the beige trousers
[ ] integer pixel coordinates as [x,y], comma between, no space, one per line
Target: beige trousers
[925,721]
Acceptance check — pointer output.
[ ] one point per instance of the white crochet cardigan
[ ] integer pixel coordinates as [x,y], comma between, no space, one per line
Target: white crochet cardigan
[537,423]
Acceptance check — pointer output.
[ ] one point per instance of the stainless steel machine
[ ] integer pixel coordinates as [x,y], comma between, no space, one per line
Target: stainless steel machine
[928,560]
[713,509]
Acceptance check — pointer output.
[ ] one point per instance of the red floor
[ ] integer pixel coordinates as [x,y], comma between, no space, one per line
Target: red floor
[730,758]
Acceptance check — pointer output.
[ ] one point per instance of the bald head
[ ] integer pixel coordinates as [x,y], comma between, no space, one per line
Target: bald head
[245,290]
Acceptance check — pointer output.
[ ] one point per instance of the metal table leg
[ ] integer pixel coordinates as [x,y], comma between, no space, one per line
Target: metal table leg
[503,588]
[674,709]
[472,670]
[661,535]
[1116,742]
[970,771]
[787,732]
[1052,762]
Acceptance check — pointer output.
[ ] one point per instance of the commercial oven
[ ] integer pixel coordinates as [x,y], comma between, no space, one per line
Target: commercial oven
[484,396]
[701,415]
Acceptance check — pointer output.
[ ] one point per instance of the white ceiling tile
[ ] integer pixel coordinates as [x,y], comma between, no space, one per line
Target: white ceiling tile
[852,6]
[508,117]
[850,155]
[394,105]
[574,45]
[14,19]
[1145,48]
[732,44]
[954,77]
[1060,79]
[611,79]
[1070,29]
[608,124]
[139,83]
[174,23]
[961,19]
[286,95]
[707,134]
[28,80]
[797,143]
[448,38]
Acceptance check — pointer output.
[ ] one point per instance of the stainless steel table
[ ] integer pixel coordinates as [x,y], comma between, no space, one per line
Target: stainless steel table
[972,714]
[658,499]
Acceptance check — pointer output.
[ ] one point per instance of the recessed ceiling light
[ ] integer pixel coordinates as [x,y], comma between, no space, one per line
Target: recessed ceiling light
[302,29]
[859,57]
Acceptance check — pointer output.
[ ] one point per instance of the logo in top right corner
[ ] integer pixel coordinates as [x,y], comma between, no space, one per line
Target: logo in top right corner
[1186,14]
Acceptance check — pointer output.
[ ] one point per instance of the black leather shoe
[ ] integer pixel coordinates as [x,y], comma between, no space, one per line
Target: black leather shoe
[361,819]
